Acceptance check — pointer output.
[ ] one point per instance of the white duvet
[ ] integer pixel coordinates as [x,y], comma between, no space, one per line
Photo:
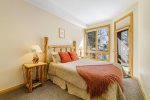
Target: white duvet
[68,72]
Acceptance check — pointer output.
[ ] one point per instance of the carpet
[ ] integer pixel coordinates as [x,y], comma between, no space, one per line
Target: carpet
[50,91]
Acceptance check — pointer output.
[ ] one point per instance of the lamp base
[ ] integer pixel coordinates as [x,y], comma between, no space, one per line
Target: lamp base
[35,59]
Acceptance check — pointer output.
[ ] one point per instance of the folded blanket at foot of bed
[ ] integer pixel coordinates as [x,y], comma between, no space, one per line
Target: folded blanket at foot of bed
[99,77]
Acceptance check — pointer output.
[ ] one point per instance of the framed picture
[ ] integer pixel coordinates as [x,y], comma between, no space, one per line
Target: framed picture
[61,33]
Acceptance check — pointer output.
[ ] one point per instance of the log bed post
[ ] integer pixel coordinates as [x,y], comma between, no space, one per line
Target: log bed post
[74,45]
[45,48]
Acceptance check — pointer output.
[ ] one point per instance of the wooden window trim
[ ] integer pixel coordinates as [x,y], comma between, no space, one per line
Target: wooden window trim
[96,51]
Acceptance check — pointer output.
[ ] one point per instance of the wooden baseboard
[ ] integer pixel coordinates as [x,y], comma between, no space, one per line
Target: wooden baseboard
[11,88]
[141,87]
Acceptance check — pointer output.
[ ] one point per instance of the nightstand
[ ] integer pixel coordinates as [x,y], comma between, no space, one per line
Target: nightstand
[40,74]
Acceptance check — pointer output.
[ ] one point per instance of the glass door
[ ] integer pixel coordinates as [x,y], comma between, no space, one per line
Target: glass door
[123,49]
[123,42]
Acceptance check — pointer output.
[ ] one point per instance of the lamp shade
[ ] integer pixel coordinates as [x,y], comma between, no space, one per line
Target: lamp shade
[36,49]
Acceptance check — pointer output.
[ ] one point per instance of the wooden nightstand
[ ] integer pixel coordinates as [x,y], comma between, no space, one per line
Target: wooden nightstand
[40,75]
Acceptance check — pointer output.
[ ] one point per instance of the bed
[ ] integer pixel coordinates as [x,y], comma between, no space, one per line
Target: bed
[66,76]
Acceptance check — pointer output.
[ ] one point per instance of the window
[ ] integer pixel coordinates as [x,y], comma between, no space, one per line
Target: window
[97,43]
[91,41]
[103,39]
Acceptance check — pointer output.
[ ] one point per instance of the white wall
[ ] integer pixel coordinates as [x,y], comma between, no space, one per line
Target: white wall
[144,45]
[133,9]
[22,25]
[141,55]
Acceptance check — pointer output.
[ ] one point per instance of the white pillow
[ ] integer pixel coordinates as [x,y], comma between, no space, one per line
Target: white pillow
[56,58]
[121,68]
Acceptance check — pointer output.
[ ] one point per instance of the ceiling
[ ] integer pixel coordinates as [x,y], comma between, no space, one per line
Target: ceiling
[84,12]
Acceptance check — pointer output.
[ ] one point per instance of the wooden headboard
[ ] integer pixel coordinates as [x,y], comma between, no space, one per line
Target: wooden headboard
[54,47]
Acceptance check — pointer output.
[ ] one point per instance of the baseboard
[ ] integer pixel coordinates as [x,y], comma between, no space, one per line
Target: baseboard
[141,87]
[11,88]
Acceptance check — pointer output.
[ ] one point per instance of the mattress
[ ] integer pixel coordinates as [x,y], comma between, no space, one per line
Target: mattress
[67,71]
[65,74]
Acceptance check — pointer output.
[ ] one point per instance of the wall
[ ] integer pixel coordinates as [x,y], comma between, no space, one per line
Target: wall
[22,25]
[144,45]
[141,39]
[133,9]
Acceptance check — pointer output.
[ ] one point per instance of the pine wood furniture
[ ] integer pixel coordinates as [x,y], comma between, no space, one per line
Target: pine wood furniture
[72,82]
[54,48]
[40,75]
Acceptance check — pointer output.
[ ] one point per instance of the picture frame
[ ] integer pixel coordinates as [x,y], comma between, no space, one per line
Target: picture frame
[61,33]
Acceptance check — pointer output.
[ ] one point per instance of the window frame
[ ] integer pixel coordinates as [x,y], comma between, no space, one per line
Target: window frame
[97,52]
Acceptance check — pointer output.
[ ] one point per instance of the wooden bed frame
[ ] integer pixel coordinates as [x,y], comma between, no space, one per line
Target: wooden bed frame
[54,47]
[63,48]
[61,82]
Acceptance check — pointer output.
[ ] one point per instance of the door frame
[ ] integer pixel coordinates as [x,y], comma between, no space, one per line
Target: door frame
[130,39]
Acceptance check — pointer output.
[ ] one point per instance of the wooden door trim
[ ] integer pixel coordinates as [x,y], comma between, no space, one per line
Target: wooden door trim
[130,27]
[123,28]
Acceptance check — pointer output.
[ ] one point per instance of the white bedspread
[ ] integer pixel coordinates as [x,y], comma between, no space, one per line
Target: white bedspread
[68,72]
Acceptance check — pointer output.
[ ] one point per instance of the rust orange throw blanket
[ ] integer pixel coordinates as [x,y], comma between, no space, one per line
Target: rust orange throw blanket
[99,77]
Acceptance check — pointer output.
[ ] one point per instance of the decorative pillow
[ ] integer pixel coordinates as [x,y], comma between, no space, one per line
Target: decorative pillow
[73,56]
[55,57]
[64,57]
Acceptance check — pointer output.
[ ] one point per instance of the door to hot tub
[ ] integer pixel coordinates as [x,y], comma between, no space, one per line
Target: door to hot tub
[123,42]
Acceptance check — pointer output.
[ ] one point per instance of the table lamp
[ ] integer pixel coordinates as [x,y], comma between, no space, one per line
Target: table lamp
[36,49]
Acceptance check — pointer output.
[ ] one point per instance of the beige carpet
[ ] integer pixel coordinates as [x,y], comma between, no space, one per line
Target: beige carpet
[49,91]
